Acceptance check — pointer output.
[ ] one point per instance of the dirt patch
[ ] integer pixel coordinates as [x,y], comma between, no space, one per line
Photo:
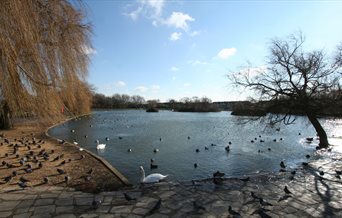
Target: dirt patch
[26,148]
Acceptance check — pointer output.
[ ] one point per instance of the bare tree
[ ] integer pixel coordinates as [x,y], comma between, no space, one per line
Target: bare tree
[295,80]
[44,47]
[137,101]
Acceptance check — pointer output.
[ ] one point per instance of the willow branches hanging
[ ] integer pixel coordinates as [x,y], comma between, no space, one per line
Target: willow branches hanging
[43,60]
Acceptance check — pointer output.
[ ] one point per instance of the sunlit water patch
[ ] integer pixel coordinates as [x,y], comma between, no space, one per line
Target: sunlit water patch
[254,148]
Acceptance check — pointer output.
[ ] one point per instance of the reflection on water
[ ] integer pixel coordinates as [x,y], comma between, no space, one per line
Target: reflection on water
[178,135]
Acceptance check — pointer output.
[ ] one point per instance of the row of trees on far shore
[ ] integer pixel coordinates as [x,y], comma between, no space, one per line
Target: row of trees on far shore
[117,101]
[194,104]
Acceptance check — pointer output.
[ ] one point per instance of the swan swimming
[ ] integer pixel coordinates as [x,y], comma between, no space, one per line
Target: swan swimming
[152,178]
[100,146]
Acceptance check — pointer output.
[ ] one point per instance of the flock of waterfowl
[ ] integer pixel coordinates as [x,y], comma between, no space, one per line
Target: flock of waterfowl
[33,156]
[227,148]
[265,206]
[156,177]
[24,156]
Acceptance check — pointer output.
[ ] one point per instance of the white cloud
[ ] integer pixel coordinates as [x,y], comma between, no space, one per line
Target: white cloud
[141,89]
[145,89]
[179,20]
[155,23]
[175,36]
[197,62]
[155,87]
[186,84]
[153,10]
[173,68]
[156,5]
[149,8]
[120,84]
[194,33]
[88,50]
[226,53]
[134,14]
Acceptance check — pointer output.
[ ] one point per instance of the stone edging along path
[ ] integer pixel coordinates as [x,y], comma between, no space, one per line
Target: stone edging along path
[312,195]
[105,163]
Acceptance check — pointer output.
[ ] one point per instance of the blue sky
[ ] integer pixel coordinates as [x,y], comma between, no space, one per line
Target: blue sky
[174,49]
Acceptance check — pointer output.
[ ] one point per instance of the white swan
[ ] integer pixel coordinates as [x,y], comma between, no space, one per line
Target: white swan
[152,178]
[100,146]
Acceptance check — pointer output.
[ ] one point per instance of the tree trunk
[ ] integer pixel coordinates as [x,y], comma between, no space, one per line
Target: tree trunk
[5,117]
[323,138]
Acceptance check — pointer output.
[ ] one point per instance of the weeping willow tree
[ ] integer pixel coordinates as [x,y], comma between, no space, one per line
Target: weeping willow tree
[44,48]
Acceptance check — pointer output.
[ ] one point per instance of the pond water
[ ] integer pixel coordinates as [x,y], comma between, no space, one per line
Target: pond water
[178,135]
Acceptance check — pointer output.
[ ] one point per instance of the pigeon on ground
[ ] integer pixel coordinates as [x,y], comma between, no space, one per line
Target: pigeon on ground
[245,179]
[283,198]
[254,196]
[282,164]
[66,179]
[156,207]
[62,163]
[60,171]
[23,179]
[233,212]
[198,206]
[305,164]
[262,213]
[264,203]
[55,159]
[90,171]
[28,170]
[129,198]
[22,184]
[287,191]
[8,178]
[96,204]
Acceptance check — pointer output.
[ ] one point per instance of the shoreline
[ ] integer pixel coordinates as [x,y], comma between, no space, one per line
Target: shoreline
[122,181]
[312,194]
[105,163]
[43,155]
[77,136]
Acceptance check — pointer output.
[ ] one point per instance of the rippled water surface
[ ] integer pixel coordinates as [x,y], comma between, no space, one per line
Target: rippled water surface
[178,135]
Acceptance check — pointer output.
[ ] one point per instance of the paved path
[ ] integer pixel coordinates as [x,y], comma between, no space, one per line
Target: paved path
[313,196]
